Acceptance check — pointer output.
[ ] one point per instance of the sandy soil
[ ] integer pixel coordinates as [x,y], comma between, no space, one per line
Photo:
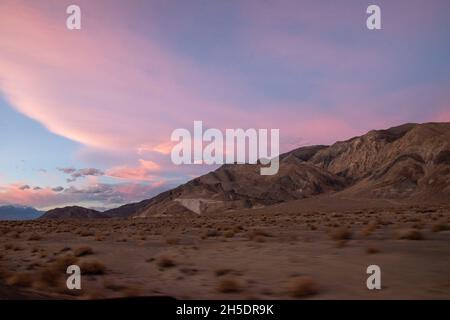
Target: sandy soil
[315,249]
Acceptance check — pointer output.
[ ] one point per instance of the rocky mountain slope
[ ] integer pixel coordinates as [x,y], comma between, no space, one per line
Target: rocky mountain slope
[411,161]
[408,161]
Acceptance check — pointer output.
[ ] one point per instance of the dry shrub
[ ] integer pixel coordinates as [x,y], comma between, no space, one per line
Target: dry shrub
[83,251]
[20,279]
[61,263]
[260,232]
[165,262]
[301,287]
[34,237]
[258,235]
[222,272]
[86,233]
[372,250]
[259,239]
[52,274]
[438,227]
[341,234]
[341,243]
[93,268]
[410,234]
[99,237]
[172,241]
[212,233]
[369,229]
[229,234]
[229,285]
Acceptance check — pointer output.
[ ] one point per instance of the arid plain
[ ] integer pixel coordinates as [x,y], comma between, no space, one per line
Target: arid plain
[314,248]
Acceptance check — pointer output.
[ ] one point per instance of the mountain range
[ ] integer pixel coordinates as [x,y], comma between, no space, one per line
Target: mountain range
[16,212]
[410,161]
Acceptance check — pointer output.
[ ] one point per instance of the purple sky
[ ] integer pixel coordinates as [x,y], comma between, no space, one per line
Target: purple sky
[86,116]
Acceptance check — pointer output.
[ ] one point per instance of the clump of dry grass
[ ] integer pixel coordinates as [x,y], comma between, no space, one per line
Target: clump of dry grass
[372,250]
[410,234]
[212,233]
[20,279]
[229,234]
[438,227]
[172,240]
[83,251]
[93,268]
[222,272]
[369,228]
[86,233]
[165,262]
[258,235]
[99,237]
[51,275]
[341,234]
[229,285]
[34,237]
[301,287]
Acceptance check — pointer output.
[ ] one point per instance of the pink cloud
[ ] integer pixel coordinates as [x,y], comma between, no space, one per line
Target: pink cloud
[144,172]
[91,194]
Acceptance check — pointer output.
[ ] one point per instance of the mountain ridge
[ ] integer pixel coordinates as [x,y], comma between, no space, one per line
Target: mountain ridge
[401,162]
[18,212]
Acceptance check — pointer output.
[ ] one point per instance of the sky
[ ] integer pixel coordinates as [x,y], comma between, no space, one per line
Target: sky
[86,115]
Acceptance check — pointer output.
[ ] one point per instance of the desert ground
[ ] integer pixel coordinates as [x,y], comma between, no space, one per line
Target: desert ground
[306,249]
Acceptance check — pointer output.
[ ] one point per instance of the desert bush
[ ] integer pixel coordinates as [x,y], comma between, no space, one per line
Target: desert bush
[369,228]
[258,235]
[222,272]
[228,234]
[86,233]
[93,268]
[301,287]
[99,237]
[260,232]
[83,251]
[61,263]
[410,234]
[34,237]
[341,234]
[172,241]
[229,285]
[212,233]
[438,227]
[20,279]
[165,262]
[372,250]
[51,275]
